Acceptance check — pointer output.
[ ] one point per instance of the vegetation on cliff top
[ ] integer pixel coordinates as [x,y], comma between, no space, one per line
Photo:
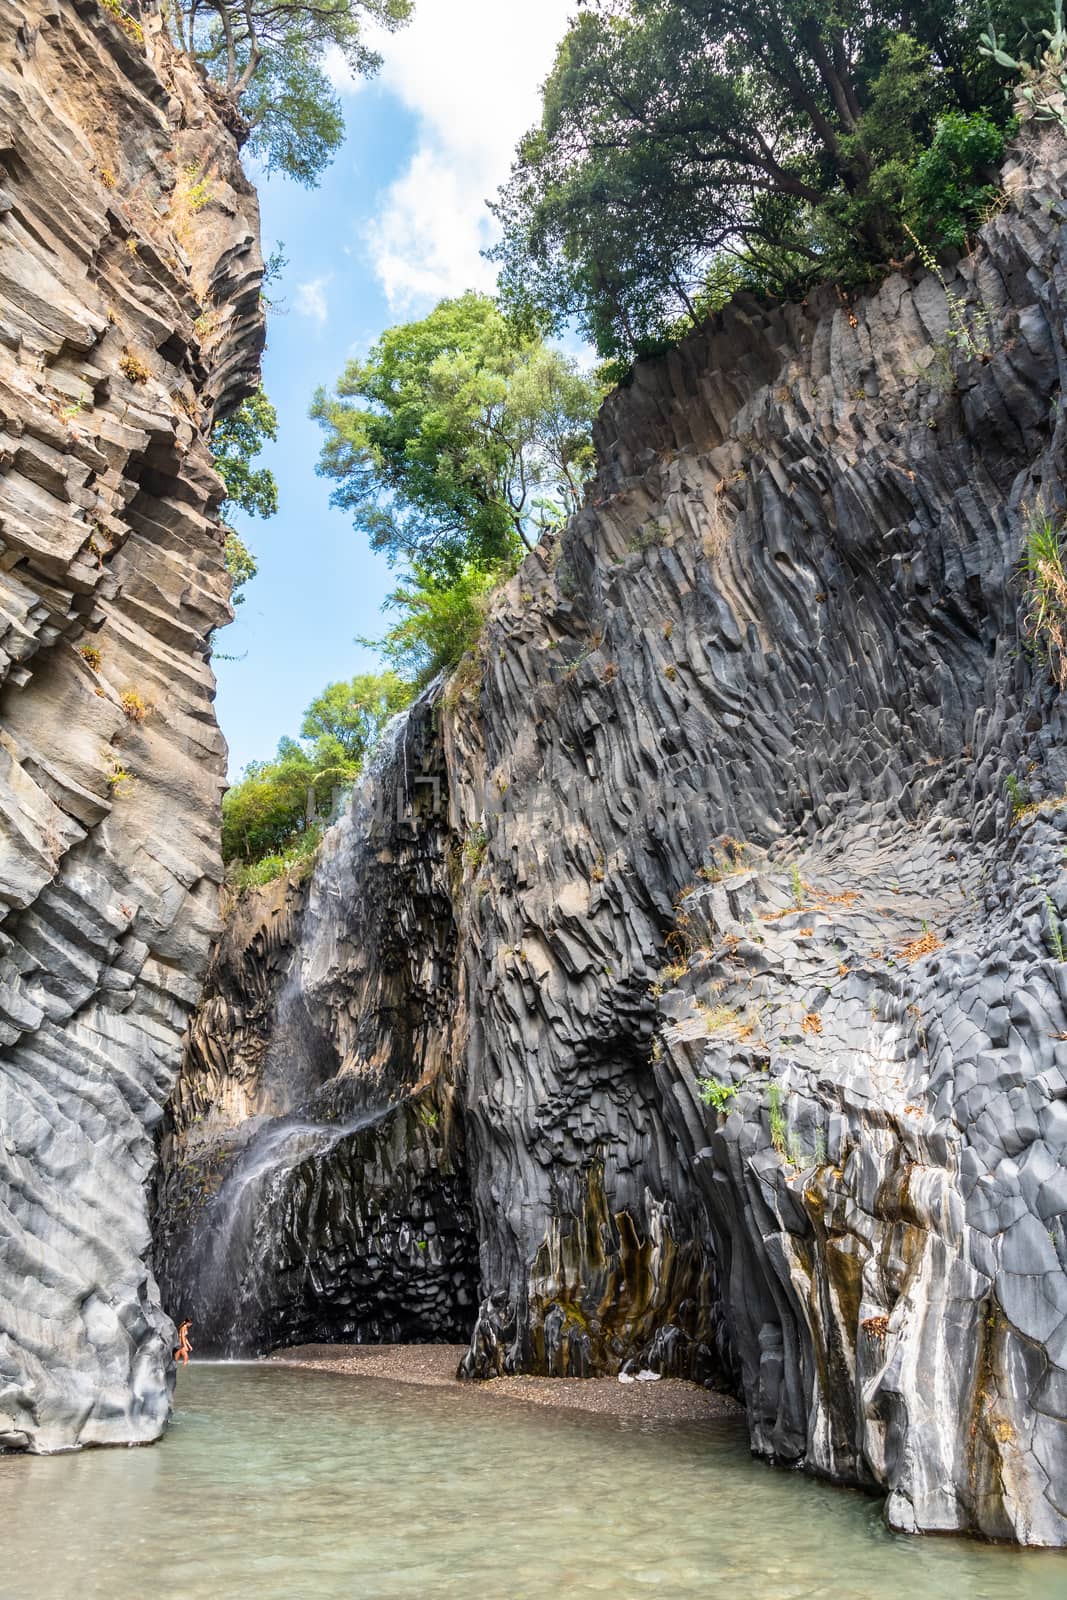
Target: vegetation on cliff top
[268,60]
[456,444]
[273,816]
[690,147]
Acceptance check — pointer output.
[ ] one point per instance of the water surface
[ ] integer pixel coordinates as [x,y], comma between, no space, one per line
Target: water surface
[280,1484]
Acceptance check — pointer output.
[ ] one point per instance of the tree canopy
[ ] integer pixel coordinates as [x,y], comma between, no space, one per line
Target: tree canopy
[679,135]
[458,440]
[346,718]
[268,59]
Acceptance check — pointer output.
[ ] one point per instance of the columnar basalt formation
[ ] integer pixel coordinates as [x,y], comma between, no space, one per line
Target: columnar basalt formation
[130,318]
[761,729]
[754,1009]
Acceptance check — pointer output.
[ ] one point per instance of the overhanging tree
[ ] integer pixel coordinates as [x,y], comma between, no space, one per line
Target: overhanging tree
[268,58]
[235,441]
[779,132]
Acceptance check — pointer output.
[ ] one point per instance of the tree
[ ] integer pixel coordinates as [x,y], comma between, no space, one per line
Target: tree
[267,59]
[277,803]
[458,440]
[346,718]
[235,440]
[441,619]
[675,132]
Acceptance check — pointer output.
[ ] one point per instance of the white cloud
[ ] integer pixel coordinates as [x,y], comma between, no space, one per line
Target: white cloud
[471,71]
[310,299]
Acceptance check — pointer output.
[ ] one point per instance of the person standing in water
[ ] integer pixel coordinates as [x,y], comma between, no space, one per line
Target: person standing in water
[185,1349]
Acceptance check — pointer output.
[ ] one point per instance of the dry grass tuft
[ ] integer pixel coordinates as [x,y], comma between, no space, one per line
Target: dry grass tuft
[925,945]
[134,368]
[133,705]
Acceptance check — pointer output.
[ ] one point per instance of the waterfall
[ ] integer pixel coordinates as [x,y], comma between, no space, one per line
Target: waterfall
[325,1213]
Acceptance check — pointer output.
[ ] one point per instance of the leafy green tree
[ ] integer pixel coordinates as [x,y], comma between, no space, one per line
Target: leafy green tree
[346,718]
[441,618]
[954,182]
[675,132]
[235,441]
[458,440]
[240,564]
[269,806]
[267,59]
[276,803]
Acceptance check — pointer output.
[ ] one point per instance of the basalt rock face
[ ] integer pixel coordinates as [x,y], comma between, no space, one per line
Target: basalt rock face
[313,1175]
[747,901]
[754,731]
[129,318]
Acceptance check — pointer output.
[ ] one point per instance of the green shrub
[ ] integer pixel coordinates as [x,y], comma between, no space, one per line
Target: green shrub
[302,850]
[442,619]
[778,1122]
[953,182]
[1045,582]
[714,1094]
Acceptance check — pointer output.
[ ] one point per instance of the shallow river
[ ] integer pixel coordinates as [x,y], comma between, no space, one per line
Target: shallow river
[277,1484]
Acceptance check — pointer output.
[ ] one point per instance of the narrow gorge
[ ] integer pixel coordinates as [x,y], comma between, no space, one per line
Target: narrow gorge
[727,799]
[682,987]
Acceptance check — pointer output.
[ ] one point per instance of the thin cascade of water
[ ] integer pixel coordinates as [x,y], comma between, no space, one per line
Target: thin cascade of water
[233,1243]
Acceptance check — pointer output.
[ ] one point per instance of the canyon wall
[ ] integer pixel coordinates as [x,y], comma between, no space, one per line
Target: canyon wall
[130,317]
[779,810]
[742,975]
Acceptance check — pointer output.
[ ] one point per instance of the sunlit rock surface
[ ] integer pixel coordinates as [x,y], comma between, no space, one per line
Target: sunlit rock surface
[729,802]
[129,315]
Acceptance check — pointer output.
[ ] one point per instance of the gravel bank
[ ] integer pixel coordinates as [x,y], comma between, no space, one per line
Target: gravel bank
[434,1365]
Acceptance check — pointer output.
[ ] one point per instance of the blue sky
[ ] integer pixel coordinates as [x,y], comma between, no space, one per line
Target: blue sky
[398,222]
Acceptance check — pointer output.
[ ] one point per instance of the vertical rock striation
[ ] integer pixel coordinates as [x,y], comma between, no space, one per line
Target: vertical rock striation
[129,318]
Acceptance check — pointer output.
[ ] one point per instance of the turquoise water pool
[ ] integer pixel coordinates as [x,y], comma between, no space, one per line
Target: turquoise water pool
[280,1484]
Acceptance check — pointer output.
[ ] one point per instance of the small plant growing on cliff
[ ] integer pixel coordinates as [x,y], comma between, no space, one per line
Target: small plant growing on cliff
[128,24]
[192,193]
[797,885]
[90,654]
[777,1116]
[76,408]
[1055,931]
[119,779]
[1018,795]
[653,533]
[205,324]
[474,850]
[1045,584]
[134,368]
[970,336]
[716,1095]
[133,704]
